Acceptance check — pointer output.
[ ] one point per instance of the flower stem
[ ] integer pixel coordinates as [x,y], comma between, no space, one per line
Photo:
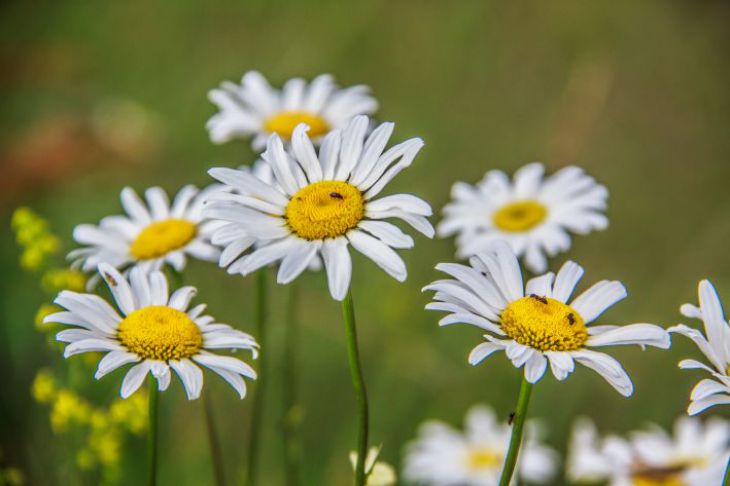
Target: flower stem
[213,441]
[258,398]
[292,411]
[518,423]
[358,382]
[152,431]
[726,481]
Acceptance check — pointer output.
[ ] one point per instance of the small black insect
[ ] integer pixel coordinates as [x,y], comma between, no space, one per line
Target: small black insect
[336,195]
[571,318]
[511,418]
[539,299]
[110,279]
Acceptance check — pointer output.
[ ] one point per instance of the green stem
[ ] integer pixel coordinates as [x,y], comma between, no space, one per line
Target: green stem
[726,481]
[152,432]
[518,423]
[292,411]
[258,398]
[358,382]
[213,441]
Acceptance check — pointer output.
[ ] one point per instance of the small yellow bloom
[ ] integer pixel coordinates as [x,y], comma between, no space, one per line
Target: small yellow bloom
[107,447]
[43,311]
[44,386]
[12,476]
[68,409]
[57,279]
[85,459]
[130,413]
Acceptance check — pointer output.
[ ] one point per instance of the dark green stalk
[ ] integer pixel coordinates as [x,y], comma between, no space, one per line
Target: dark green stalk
[517,425]
[216,455]
[358,382]
[152,432]
[292,408]
[258,398]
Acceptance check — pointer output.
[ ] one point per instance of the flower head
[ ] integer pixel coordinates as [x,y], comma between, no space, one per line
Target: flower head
[151,235]
[713,344]
[321,202]
[538,323]
[534,215]
[255,109]
[155,330]
[695,456]
[443,456]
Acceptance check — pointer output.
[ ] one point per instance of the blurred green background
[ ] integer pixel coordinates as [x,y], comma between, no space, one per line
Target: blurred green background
[98,95]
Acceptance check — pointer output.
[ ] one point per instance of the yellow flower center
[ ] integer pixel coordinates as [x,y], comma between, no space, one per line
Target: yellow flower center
[545,324]
[325,209]
[284,123]
[161,333]
[162,237]
[520,216]
[483,458]
[669,475]
[657,481]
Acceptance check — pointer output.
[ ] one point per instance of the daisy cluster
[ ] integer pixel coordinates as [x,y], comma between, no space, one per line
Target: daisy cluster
[313,195]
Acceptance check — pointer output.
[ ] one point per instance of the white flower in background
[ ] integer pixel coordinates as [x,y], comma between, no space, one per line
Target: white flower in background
[378,473]
[534,215]
[155,330]
[695,456]
[255,109]
[149,236]
[715,345]
[444,456]
[319,205]
[535,324]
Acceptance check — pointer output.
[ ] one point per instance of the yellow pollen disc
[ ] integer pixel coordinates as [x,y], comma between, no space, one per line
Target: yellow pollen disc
[161,333]
[284,123]
[544,324]
[520,216]
[162,237]
[325,209]
[658,481]
[480,459]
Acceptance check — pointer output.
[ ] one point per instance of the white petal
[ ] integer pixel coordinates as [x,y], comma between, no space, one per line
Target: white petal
[227,363]
[565,281]
[134,206]
[119,288]
[113,360]
[594,301]
[561,364]
[535,367]
[338,264]
[642,334]
[700,405]
[606,366]
[297,260]
[540,286]
[158,202]
[180,299]
[707,387]
[380,253]
[482,351]
[190,375]
[134,379]
[305,154]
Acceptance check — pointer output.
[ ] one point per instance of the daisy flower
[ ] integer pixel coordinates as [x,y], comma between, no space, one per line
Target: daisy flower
[155,330]
[714,345]
[320,204]
[444,456]
[151,235]
[255,109]
[535,215]
[695,456]
[536,324]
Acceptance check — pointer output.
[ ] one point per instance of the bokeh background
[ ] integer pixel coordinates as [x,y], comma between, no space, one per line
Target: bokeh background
[99,95]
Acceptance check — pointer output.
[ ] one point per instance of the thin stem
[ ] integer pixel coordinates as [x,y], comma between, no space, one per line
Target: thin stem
[518,423]
[257,407]
[153,396]
[358,382]
[726,481]
[292,409]
[213,441]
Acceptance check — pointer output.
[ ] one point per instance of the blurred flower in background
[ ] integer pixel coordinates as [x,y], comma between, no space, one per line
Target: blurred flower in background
[255,109]
[379,473]
[149,236]
[534,215]
[696,454]
[443,456]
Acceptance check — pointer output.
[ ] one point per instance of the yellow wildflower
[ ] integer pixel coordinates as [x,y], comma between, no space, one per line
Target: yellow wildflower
[44,386]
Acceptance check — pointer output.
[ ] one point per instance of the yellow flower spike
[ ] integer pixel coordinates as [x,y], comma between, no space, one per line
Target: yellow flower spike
[57,279]
[107,447]
[21,217]
[49,244]
[131,414]
[12,476]
[44,386]
[85,459]
[30,233]
[68,409]
[32,259]
[43,311]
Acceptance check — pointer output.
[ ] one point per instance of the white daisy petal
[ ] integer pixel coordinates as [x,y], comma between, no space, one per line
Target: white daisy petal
[297,260]
[594,301]
[482,351]
[134,379]
[190,375]
[119,288]
[642,334]
[113,360]
[338,264]
[606,366]
[380,253]
[535,367]
[565,281]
